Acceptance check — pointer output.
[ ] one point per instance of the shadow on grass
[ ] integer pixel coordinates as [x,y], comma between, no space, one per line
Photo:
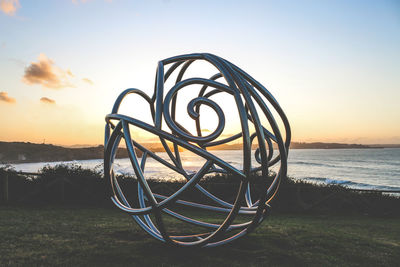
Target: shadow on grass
[61,236]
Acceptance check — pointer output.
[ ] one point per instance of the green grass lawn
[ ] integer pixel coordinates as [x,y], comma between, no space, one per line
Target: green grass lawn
[32,236]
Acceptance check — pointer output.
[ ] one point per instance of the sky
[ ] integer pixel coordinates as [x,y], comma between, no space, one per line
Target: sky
[333,66]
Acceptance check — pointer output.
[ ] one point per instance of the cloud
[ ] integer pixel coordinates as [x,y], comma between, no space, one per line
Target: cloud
[9,7]
[47,100]
[44,72]
[88,81]
[4,97]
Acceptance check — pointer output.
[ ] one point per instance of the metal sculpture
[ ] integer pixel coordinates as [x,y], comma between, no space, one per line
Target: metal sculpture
[254,103]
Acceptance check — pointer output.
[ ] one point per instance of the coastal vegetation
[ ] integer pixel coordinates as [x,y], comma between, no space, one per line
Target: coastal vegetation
[74,185]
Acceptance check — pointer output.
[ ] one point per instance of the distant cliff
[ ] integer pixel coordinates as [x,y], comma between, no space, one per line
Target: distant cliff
[320,145]
[297,145]
[20,152]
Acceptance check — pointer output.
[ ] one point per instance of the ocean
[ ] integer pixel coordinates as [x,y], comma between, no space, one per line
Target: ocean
[377,169]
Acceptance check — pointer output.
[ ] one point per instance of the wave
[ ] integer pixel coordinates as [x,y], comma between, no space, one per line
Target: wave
[341,165]
[311,163]
[349,184]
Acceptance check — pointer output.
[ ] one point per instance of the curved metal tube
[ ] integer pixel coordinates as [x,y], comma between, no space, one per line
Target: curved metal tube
[253,102]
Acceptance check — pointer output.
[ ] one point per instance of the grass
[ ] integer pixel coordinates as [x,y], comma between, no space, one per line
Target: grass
[54,236]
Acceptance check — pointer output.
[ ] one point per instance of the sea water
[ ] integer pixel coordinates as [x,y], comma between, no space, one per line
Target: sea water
[355,168]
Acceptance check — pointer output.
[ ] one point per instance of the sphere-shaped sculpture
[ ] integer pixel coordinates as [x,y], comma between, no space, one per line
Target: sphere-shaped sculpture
[260,120]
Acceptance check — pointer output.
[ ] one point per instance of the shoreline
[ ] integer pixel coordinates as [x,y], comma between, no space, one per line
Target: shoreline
[125,157]
[322,166]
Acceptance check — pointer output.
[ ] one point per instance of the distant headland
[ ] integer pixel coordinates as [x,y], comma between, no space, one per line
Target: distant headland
[24,152]
[21,152]
[301,145]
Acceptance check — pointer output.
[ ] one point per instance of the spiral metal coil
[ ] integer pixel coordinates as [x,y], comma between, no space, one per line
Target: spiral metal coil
[253,102]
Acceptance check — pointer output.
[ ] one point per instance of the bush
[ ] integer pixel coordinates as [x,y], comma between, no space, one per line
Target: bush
[74,185]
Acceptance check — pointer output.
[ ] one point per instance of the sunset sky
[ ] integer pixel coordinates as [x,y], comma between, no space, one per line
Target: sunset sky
[334,66]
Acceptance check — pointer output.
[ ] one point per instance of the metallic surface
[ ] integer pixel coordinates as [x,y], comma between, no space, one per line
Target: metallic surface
[254,105]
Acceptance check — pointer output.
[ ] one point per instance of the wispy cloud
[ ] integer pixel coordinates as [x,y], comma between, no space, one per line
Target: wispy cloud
[45,72]
[5,98]
[89,81]
[47,100]
[9,7]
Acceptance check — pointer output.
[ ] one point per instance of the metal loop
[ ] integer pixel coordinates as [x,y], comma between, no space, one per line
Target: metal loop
[254,103]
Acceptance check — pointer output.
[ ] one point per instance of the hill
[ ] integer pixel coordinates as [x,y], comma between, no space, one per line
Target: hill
[297,145]
[20,152]
[320,145]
